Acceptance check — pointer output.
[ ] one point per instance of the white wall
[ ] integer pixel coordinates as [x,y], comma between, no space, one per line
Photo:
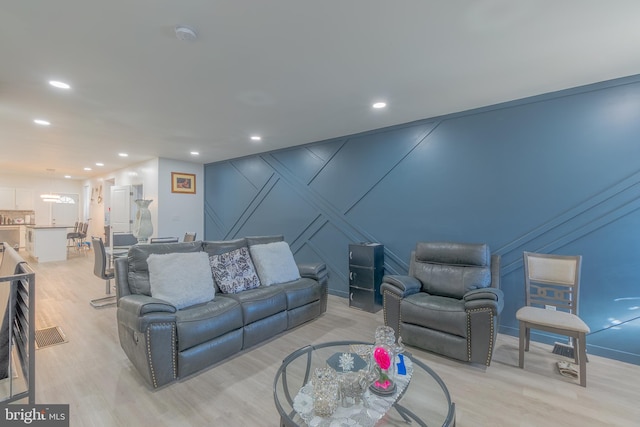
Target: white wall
[180,212]
[171,214]
[144,174]
[44,185]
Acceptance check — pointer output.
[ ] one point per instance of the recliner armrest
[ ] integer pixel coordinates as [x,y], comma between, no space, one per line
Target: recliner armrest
[400,285]
[484,298]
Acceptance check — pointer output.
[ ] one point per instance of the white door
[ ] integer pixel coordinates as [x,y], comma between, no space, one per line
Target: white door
[121,209]
[65,211]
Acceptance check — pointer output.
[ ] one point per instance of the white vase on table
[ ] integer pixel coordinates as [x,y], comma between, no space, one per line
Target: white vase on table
[143,228]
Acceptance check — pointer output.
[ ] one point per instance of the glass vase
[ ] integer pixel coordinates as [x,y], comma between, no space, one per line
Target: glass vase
[383,361]
[326,390]
[142,227]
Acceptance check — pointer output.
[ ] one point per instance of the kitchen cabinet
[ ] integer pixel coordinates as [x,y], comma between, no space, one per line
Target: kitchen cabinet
[24,199]
[7,198]
[16,199]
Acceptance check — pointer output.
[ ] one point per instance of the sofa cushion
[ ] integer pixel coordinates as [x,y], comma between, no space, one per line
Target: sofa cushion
[138,270]
[261,240]
[219,247]
[234,271]
[301,292]
[274,263]
[261,302]
[205,322]
[183,279]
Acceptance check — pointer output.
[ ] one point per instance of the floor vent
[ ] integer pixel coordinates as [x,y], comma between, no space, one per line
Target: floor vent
[49,336]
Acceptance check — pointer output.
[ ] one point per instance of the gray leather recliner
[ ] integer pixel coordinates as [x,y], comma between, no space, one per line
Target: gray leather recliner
[449,302]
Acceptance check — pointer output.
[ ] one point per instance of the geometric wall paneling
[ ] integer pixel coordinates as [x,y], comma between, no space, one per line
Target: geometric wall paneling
[271,211]
[344,181]
[619,200]
[233,192]
[555,173]
[254,170]
[305,162]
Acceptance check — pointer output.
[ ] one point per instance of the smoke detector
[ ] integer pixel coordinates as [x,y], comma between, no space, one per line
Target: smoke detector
[185,33]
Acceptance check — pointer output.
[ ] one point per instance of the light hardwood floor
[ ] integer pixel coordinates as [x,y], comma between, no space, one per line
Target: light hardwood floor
[93,375]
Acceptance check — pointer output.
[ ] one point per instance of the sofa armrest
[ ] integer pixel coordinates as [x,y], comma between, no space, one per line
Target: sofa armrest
[400,285]
[315,270]
[143,304]
[138,311]
[490,298]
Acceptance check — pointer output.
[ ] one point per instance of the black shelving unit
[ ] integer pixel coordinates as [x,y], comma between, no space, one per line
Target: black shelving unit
[366,268]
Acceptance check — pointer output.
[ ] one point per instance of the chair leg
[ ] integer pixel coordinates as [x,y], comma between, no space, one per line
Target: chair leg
[521,344]
[105,301]
[582,358]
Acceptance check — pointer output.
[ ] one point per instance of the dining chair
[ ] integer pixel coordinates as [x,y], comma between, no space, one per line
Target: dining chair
[123,240]
[552,285]
[101,270]
[189,237]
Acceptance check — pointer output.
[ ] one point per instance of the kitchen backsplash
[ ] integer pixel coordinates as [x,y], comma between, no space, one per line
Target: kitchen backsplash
[17,217]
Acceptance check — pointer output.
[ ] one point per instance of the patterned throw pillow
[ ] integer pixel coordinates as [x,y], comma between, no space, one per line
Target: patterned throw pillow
[234,271]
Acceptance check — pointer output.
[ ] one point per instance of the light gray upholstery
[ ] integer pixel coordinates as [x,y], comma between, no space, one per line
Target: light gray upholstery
[165,343]
[449,302]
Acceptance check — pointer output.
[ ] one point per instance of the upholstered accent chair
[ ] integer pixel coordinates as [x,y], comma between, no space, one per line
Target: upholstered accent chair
[449,302]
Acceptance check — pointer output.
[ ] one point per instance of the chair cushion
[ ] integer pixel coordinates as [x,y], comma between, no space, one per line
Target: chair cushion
[183,279]
[435,312]
[452,269]
[552,319]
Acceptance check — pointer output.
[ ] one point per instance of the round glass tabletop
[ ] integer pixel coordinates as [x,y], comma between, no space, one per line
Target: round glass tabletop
[422,397]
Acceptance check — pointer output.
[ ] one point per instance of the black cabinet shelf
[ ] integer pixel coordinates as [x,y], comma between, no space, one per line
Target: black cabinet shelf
[366,268]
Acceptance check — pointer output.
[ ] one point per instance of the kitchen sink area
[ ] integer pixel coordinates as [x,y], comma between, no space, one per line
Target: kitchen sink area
[13,226]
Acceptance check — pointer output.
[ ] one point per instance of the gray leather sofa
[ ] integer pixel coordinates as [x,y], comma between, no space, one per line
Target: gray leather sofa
[449,302]
[165,344]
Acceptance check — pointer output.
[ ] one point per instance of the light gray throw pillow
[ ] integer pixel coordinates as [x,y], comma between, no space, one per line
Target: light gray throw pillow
[274,263]
[182,279]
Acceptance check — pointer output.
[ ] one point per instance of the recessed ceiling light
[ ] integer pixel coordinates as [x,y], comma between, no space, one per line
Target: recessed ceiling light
[67,176]
[59,84]
[123,155]
[99,164]
[195,153]
[256,138]
[87,169]
[185,33]
[41,122]
[379,105]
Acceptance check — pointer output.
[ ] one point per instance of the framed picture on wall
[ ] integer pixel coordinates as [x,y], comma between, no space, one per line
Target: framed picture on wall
[183,183]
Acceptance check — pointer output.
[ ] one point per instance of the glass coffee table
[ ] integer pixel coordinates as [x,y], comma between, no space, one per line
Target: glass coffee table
[423,401]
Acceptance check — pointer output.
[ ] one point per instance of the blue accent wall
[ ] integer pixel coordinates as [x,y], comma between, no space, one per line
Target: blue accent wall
[556,173]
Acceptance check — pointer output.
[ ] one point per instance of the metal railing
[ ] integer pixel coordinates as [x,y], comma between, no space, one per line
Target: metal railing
[20,321]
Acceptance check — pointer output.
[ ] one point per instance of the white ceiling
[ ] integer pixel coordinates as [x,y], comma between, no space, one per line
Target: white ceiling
[292,71]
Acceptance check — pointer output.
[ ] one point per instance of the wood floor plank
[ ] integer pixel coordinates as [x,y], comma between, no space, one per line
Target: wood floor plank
[93,375]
